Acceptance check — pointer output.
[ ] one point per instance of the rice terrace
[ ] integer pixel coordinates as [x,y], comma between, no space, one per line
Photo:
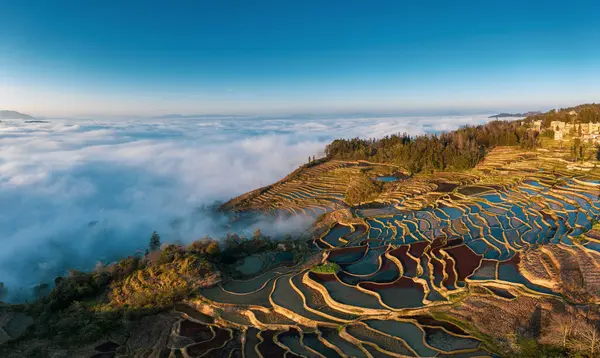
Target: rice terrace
[480,242]
[436,251]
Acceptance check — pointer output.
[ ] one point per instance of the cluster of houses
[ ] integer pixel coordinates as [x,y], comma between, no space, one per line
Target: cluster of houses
[589,132]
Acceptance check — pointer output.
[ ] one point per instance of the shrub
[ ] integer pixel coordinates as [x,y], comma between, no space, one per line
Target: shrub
[76,287]
[124,267]
[548,133]
[171,253]
[161,284]
[213,249]
[330,267]
[203,245]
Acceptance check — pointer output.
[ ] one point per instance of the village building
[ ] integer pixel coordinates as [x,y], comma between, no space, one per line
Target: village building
[588,131]
[591,138]
[558,135]
[591,128]
[560,129]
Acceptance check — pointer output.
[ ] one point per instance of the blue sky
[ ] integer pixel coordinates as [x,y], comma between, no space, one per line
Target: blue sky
[144,58]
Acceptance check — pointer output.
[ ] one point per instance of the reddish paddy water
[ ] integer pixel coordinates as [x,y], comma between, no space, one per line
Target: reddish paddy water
[473,190]
[430,321]
[418,248]
[445,187]
[267,347]
[408,264]
[404,293]
[466,261]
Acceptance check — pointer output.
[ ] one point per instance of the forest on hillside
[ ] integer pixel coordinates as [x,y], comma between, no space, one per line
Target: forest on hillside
[456,150]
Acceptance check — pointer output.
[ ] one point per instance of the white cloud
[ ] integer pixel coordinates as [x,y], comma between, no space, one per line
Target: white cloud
[76,191]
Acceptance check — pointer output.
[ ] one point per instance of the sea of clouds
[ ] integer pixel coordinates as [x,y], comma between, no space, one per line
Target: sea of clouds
[75,192]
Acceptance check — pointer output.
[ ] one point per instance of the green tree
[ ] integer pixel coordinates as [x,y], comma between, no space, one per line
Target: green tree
[154,242]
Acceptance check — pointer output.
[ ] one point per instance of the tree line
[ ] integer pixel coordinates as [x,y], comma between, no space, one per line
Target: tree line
[455,150]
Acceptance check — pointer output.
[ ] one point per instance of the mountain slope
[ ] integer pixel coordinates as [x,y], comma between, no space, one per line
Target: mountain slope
[514,115]
[14,115]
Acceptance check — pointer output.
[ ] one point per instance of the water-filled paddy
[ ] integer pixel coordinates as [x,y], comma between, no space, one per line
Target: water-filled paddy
[251,342]
[442,340]
[221,337]
[367,265]
[347,255]
[473,190]
[195,331]
[291,339]
[420,248]
[268,347]
[486,270]
[403,293]
[444,187]
[363,333]
[260,297]
[407,331]
[387,179]
[248,286]
[312,340]
[334,235]
[284,295]
[345,294]
[250,265]
[333,337]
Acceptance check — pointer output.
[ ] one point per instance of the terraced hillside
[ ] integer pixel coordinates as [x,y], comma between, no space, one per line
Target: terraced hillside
[312,190]
[419,260]
[445,264]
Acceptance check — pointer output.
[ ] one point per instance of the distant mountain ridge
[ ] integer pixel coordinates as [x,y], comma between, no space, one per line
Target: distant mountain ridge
[14,115]
[515,115]
[195,116]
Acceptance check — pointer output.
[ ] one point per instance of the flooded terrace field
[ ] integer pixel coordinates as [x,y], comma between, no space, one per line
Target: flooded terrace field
[422,247]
